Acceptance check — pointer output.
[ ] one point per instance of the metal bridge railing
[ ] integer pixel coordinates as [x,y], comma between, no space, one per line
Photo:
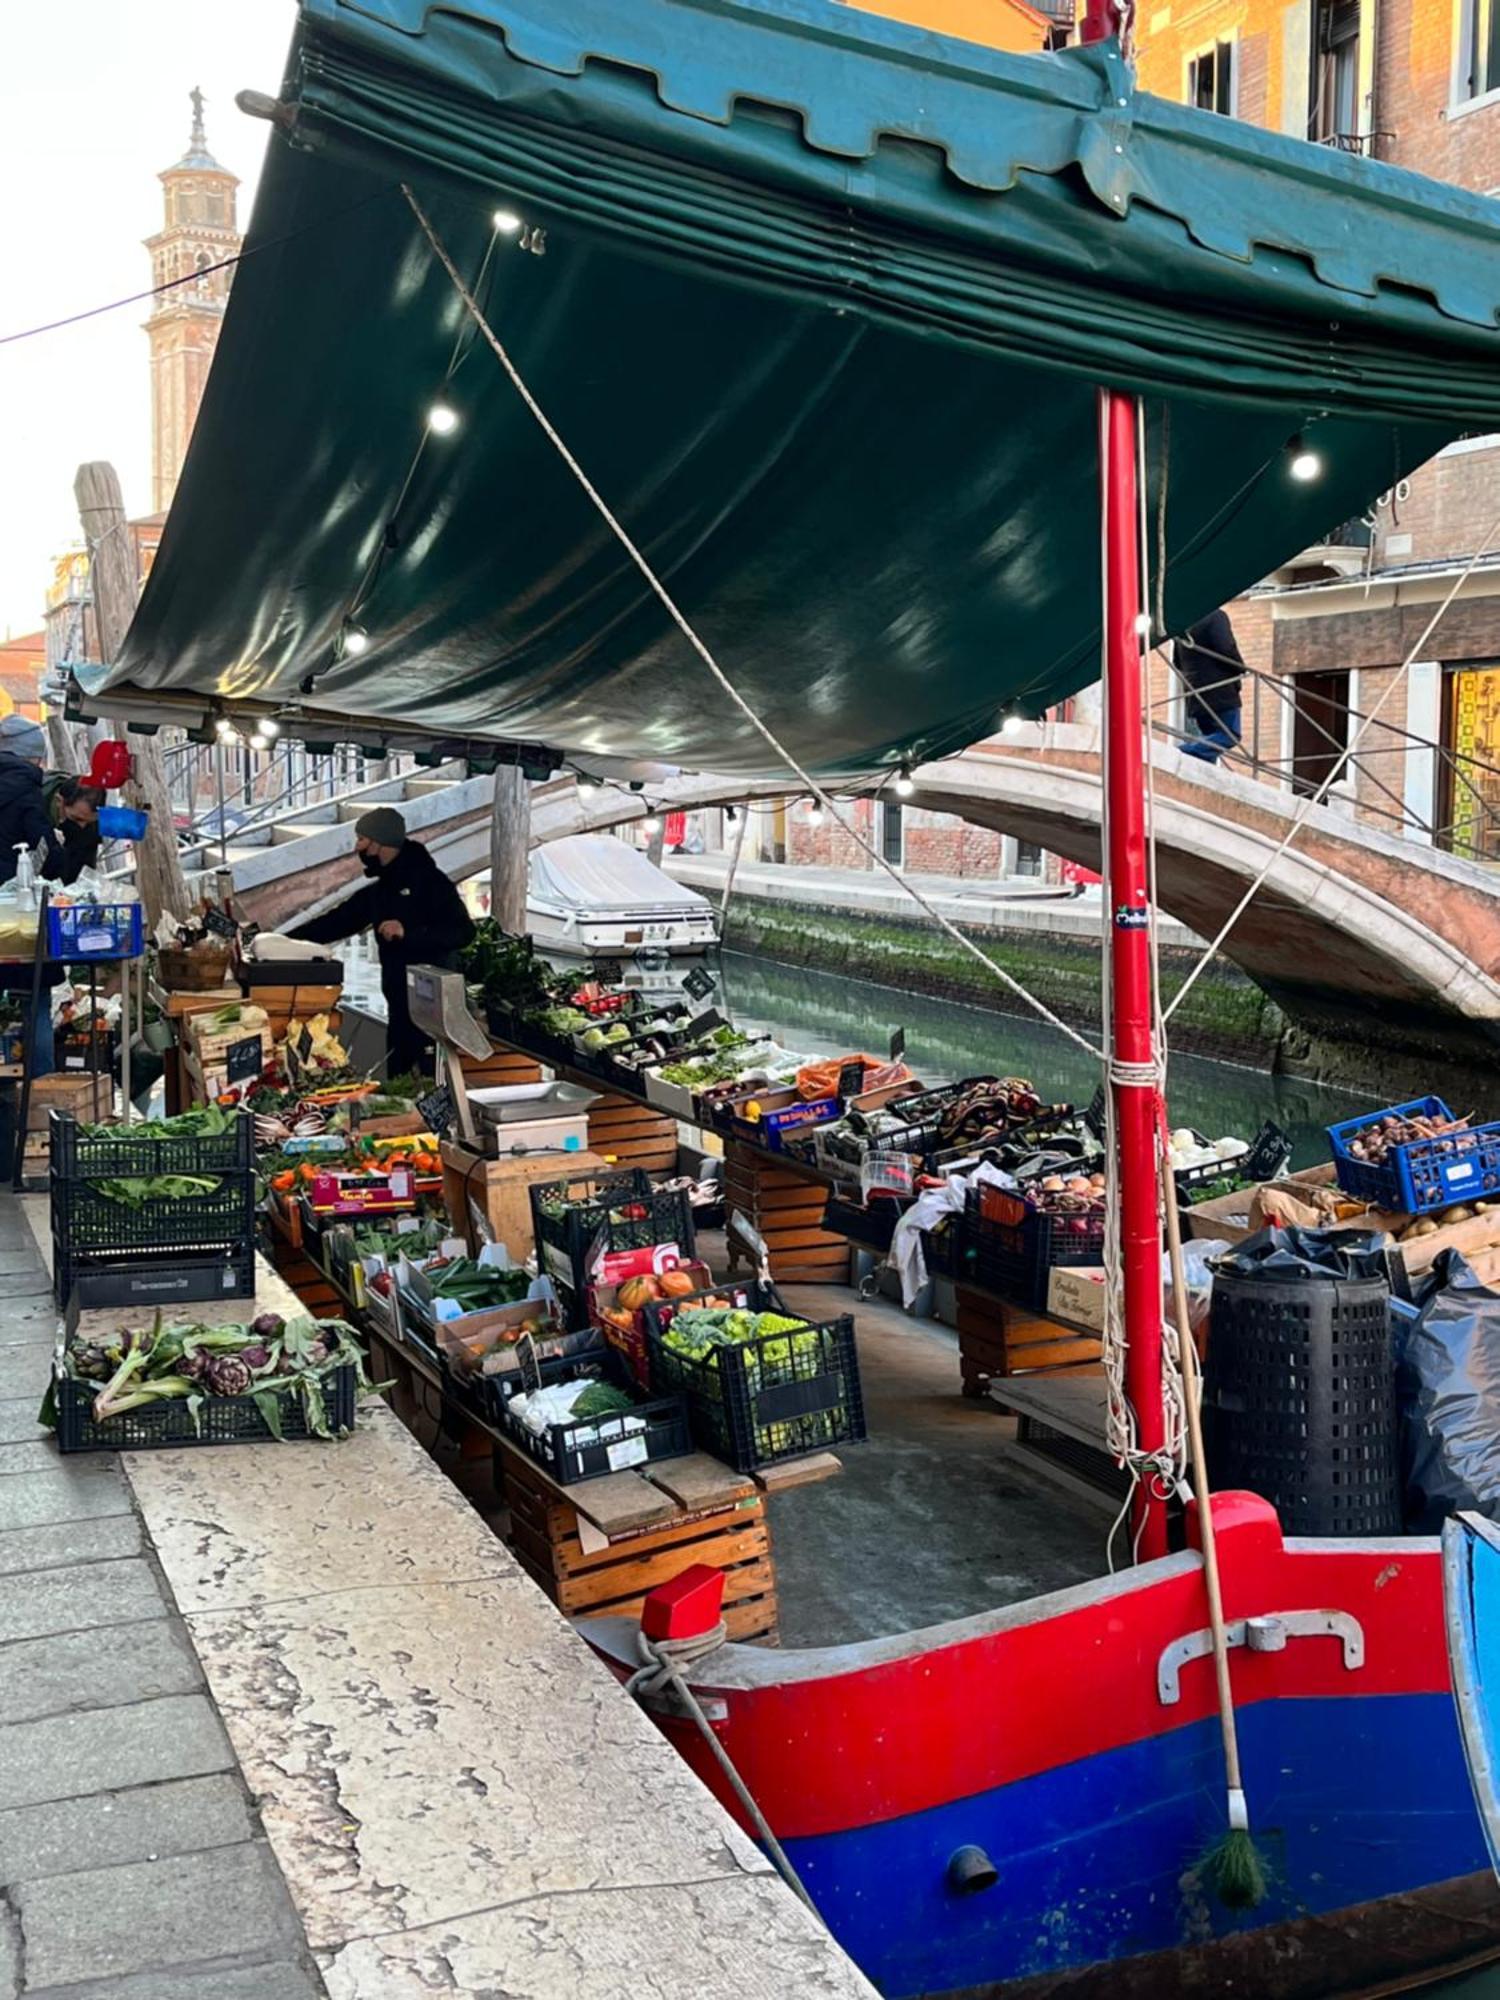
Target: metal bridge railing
[1469,784]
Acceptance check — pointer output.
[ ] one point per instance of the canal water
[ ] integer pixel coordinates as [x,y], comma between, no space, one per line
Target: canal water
[821,1014]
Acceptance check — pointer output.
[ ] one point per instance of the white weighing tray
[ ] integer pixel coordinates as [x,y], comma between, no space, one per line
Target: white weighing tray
[528,1103]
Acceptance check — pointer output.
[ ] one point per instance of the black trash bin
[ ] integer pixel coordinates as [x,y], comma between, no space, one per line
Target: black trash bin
[1299,1388]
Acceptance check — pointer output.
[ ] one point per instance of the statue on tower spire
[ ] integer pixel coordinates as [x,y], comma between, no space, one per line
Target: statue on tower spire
[198,142]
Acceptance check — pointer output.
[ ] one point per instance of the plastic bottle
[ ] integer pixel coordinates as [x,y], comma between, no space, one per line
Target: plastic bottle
[25,878]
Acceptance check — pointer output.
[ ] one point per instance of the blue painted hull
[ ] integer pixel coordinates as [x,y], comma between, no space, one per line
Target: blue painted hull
[1357,1799]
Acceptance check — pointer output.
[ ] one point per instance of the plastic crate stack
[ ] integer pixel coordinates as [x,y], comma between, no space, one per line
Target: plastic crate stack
[119,1245]
[1011,1248]
[1422,1174]
[778,1395]
[588,1218]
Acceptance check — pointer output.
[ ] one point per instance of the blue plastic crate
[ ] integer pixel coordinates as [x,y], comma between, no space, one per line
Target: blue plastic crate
[1428,1173]
[94,930]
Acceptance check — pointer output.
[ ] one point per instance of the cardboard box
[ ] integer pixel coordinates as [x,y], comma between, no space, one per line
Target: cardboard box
[1077,1293]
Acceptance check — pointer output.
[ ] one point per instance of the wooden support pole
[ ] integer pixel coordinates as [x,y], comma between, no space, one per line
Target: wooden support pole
[510,841]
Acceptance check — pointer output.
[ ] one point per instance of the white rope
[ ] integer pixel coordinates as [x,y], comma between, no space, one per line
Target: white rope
[1309,805]
[680,621]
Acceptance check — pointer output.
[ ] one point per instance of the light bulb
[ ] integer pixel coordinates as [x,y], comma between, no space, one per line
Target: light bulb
[1305,464]
[442,418]
[1013,725]
[225,728]
[269,728]
[652,825]
[506,222]
[259,740]
[904,785]
[356,639]
[815,815]
[731,814]
[587,789]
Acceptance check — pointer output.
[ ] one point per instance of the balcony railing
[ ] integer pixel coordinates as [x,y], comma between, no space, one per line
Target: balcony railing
[1355,534]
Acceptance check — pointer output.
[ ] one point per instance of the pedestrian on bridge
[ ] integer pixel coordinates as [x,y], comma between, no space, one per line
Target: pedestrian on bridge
[1208,662]
[418,918]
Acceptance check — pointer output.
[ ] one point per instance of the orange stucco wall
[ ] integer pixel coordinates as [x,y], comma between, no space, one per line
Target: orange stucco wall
[995,24]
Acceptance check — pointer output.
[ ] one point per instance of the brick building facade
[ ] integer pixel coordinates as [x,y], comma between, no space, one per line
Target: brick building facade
[1415,83]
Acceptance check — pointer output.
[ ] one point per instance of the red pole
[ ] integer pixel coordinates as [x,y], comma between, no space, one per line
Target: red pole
[1101,20]
[1130,951]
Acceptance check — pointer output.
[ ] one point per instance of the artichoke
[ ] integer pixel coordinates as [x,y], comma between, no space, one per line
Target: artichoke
[255,1356]
[270,1326]
[226,1375]
[193,1366]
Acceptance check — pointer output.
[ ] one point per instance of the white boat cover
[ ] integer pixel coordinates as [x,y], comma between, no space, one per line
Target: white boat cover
[593,871]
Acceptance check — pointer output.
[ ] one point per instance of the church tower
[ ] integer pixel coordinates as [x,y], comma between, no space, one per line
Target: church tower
[198,231]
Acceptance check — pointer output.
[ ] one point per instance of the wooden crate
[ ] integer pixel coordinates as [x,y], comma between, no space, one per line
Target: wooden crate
[629,1133]
[89,1098]
[501,1189]
[996,1339]
[785,1205]
[503,1065]
[613,1581]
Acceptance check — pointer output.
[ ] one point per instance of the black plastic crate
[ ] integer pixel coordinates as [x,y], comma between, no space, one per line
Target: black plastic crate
[1012,1249]
[604,1213]
[126,1155]
[152,1278]
[871,1228]
[594,1445]
[764,1400]
[91,1230]
[221,1419]
[1267,1155]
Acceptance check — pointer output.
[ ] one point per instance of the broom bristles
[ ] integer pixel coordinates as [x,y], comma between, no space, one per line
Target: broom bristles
[1235,1872]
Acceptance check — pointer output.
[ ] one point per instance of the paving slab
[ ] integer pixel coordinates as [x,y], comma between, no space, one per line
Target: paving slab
[208,1512]
[203,1981]
[749,1938]
[33,1455]
[61,1544]
[101,1750]
[96,1669]
[69,1490]
[397,1763]
[18,1423]
[80,1599]
[27,1314]
[103,1922]
[142,1823]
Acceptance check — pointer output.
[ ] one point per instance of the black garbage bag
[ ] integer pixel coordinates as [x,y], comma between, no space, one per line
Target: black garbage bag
[1295,1254]
[1448,1397]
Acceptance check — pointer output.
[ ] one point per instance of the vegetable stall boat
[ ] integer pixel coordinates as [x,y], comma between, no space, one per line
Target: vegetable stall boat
[831,336]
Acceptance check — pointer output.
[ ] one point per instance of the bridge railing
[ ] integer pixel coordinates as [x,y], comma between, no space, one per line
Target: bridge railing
[1465,789]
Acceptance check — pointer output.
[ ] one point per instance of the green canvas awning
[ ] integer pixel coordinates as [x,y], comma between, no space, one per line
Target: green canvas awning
[821,307]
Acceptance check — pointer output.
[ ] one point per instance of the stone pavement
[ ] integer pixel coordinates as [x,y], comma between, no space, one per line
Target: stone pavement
[133,1864]
[447,1791]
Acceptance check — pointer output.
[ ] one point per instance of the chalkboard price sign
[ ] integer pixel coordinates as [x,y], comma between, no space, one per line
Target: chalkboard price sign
[242,1060]
[704,1024]
[699,982]
[528,1361]
[898,1044]
[437,1111]
[220,923]
[608,971]
[852,1078]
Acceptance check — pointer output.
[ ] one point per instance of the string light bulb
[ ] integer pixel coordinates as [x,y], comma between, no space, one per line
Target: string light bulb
[356,638]
[259,739]
[651,825]
[442,419]
[268,727]
[505,222]
[1013,725]
[904,785]
[587,789]
[814,814]
[1303,463]
[731,814]
[225,729]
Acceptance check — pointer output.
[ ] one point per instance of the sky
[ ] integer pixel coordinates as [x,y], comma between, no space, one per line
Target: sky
[93,104]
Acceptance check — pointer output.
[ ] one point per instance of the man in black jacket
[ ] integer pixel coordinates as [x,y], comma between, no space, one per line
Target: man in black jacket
[55,817]
[1209,665]
[417,915]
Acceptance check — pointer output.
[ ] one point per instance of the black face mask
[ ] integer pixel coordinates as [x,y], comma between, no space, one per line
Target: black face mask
[371,863]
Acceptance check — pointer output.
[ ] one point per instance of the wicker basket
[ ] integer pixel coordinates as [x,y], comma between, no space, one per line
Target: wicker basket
[197,971]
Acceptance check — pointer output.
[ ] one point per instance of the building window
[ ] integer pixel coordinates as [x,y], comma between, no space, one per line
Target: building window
[1210,79]
[1335,96]
[892,834]
[1479,49]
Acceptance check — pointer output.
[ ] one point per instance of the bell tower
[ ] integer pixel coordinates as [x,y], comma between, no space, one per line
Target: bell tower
[198,231]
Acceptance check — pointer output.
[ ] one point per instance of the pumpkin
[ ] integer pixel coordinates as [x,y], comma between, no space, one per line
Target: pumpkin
[677,1284]
[624,1321]
[637,1292]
